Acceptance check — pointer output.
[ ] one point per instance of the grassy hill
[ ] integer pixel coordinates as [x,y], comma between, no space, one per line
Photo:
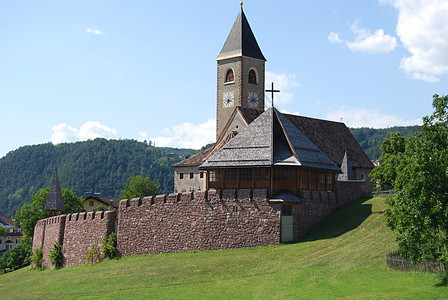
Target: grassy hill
[344,257]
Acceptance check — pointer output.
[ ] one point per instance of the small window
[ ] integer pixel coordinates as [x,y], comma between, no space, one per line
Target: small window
[287,210]
[191,175]
[1,241]
[330,178]
[201,175]
[90,203]
[215,176]
[252,76]
[322,178]
[181,175]
[230,77]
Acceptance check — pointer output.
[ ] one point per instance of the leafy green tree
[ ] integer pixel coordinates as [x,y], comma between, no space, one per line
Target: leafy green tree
[3,231]
[419,210]
[27,217]
[18,257]
[393,149]
[138,187]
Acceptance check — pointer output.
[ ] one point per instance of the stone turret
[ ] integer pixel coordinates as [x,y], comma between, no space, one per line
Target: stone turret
[55,202]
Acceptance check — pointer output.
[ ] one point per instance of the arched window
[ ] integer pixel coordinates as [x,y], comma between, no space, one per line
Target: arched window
[230,77]
[252,76]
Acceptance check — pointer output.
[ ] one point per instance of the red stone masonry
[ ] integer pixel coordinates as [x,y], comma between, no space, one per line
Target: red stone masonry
[183,222]
[83,231]
[202,221]
[46,233]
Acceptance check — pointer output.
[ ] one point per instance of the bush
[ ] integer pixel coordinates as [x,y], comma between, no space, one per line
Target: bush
[109,245]
[56,257]
[93,255]
[37,258]
[16,258]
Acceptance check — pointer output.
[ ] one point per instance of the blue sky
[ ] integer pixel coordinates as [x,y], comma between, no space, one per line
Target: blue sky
[76,70]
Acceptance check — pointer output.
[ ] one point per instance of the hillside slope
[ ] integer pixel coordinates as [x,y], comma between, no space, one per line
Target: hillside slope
[95,166]
[344,257]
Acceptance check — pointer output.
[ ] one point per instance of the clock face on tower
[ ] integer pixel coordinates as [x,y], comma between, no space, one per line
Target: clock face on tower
[253,99]
[228,99]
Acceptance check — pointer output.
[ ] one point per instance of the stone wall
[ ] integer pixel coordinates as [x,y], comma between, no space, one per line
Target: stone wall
[190,221]
[46,233]
[83,231]
[200,221]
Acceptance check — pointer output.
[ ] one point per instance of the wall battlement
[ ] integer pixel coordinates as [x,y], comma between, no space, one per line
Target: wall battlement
[204,220]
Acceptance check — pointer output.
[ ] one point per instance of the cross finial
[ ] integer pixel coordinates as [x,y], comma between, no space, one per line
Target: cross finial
[272,91]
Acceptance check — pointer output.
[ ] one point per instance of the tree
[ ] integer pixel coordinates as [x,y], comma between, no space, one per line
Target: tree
[139,187]
[27,217]
[419,209]
[392,151]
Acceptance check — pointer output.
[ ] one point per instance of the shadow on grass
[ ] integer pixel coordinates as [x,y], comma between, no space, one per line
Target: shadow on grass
[442,283]
[342,220]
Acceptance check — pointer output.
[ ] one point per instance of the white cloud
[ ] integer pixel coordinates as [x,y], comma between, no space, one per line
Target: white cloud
[423,30]
[365,41]
[63,133]
[94,31]
[187,135]
[361,117]
[334,38]
[283,82]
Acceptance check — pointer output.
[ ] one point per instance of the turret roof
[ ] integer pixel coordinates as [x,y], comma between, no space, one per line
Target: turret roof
[241,41]
[55,202]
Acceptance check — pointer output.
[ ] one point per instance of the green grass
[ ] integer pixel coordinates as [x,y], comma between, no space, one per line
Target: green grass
[343,257]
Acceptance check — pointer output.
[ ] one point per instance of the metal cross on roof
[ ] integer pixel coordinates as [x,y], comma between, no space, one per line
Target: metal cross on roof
[272,91]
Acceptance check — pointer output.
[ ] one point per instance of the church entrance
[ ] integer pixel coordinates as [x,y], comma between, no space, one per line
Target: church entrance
[287,224]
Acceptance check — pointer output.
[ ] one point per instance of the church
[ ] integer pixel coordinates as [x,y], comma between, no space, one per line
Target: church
[269,178]
[266,149]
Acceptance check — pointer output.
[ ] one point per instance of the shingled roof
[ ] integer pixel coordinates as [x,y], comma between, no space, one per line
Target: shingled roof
[241,41]
[55,202]
[270,140]
[334,139]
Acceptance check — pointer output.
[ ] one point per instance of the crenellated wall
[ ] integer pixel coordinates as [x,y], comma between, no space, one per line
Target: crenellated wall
[83,231]
[190,221]
[46,233]
[200,221]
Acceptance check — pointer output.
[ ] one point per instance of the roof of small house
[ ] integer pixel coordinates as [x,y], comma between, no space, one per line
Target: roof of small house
[55,202]
[5,221]
[270,140]
[112,201]
[241,41]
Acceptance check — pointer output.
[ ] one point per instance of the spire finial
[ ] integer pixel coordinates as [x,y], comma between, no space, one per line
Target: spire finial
[241,3]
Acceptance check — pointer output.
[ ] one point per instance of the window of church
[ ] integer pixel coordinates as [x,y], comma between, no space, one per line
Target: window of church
[245,174]
[322,178]
[252,76]
[330,178]
[215,176]
[230,175]
[181,175]
[191,175]
[201,175]
[261,174]
[230,77]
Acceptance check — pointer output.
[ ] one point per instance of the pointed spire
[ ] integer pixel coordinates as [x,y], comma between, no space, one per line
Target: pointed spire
[55,202]
[241,41]
[346,168]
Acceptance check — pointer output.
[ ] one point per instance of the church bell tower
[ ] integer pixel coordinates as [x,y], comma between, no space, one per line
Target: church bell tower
[241,71]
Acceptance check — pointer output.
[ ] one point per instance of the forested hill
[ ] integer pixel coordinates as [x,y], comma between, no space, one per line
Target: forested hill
[103,166]
[98,166]
[371,139]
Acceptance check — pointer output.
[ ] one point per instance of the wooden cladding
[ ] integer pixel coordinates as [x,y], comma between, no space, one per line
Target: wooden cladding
[273,179]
